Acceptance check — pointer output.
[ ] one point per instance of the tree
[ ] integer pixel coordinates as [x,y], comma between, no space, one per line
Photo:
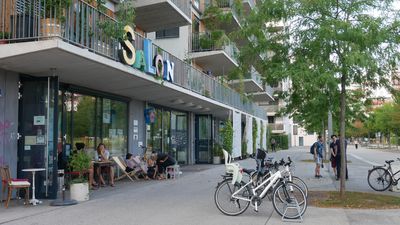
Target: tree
[326,47]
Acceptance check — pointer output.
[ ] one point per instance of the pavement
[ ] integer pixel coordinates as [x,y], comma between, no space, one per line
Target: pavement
[189,200]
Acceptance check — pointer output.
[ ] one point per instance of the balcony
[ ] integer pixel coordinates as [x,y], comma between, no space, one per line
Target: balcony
[266,95]
[270,109]
[276,128]
[227,7]
[79,41]
[251,83]
[249,5]
[153,15]
[213,52]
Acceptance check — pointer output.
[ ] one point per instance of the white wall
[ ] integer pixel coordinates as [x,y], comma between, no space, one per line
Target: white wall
[178,47]
[258,134]
[249,134]
[237,134]
[308,140]
[264,146]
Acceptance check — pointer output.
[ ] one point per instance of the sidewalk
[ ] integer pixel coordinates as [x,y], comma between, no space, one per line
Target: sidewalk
[189,201]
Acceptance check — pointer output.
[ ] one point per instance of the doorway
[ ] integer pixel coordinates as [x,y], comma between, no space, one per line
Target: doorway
[37,127]
[203,138]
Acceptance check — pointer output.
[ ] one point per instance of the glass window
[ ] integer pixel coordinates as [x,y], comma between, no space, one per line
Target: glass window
[83,121]
[115,122]
[168,33]
[179,132]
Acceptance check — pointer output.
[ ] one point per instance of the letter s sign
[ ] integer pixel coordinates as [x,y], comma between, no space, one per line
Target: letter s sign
[128,54]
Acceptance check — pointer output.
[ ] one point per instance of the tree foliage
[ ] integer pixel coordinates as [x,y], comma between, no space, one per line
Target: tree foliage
[324,48]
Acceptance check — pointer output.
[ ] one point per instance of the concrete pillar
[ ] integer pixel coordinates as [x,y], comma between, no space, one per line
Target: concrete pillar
[258,133]
[264,144]
[249,134]
[237,134]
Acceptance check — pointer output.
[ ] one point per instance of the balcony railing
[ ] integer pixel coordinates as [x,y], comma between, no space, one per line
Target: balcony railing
[78,24]
[276,126]
[254,76]
[204,41]
[272,108]
[223,4]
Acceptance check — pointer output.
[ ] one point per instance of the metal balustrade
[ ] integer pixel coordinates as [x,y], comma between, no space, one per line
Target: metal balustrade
[204,41]
[79,24]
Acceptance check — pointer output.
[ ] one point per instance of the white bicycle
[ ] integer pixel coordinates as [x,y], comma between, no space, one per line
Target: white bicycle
[232,196]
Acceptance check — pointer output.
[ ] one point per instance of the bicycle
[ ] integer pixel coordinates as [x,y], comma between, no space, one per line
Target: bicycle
[239,195]
[273,167]
[382,177]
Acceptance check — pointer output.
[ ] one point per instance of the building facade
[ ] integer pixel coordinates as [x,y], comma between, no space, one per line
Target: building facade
[63,81]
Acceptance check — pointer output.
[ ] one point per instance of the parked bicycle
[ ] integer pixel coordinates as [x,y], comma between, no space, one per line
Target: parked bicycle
[233,196]
[380,178]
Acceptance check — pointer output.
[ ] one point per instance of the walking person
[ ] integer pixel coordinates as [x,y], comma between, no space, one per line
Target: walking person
[333,153]
[318,155]
[339,152]
[273,144]
[356,143]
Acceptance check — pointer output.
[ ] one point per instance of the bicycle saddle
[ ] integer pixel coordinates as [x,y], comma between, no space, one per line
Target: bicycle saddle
[248,171]
[389,161]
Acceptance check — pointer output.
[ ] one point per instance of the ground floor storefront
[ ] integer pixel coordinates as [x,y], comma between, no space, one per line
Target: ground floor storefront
[44,120]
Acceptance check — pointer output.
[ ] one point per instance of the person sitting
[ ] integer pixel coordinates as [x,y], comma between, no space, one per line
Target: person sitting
[152,171]
[92,183]
[103,155]
[133,164]
[163,161]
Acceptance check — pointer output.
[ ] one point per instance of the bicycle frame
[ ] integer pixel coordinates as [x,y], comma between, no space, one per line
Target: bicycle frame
[274,177]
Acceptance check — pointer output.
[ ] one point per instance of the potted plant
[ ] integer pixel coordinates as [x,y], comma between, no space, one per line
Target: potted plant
[54,16]
[217,154]
[3,37]
[79,186]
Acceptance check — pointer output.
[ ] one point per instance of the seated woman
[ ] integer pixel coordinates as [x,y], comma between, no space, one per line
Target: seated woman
[163,161]
[103,155]
[152,168]
[133,164]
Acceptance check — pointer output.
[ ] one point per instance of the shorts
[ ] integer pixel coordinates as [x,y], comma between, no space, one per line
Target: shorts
[318,160]
[333,162]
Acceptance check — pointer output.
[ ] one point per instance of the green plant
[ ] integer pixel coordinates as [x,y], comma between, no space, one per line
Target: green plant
[227,135]
[217,150]
[254,132]
[80,162]
[4,35]
[125,15]
[244,148]
[56,9]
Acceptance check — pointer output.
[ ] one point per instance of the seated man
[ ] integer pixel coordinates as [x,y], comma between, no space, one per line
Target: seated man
[103,155]
[163,161]
[92,183]
[133,163]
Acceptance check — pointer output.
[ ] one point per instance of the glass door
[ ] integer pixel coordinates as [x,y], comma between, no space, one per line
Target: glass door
[37,145]
[203,138]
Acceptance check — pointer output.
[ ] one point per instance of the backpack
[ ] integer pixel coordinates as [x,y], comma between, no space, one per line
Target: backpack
[312,148]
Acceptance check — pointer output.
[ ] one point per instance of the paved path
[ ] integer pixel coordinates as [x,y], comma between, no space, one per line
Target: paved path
[189,201]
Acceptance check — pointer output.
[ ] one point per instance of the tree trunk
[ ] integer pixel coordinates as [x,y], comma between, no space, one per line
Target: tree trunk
[342,135]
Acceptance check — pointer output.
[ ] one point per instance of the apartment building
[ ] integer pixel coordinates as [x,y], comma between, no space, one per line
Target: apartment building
[63,81]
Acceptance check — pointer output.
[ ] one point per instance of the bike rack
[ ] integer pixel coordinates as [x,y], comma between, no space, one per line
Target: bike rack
[296,206]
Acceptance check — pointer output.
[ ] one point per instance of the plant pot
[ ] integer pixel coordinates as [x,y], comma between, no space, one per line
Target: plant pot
[216,160]
[2,42]
[80,192]
[50,27]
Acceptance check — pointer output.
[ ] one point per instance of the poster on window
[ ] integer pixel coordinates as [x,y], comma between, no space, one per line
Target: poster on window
[150,115]
[106,118]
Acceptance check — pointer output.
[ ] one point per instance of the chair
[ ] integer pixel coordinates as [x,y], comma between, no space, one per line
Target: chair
[122,165]
[11,184]
[173,171]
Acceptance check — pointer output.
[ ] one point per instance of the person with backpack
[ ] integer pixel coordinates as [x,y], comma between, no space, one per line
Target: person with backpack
[317,150]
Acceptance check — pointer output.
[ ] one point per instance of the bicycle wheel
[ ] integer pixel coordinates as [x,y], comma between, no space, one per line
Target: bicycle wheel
[226,203]
[301,184]
[289,200]
[379,179]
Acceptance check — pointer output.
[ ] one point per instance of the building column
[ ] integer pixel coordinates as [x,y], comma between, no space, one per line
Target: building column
[258,134]
[237,134]
[249,134]
[264,144]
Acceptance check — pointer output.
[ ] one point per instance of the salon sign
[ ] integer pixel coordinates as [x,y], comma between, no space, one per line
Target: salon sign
[142,59]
